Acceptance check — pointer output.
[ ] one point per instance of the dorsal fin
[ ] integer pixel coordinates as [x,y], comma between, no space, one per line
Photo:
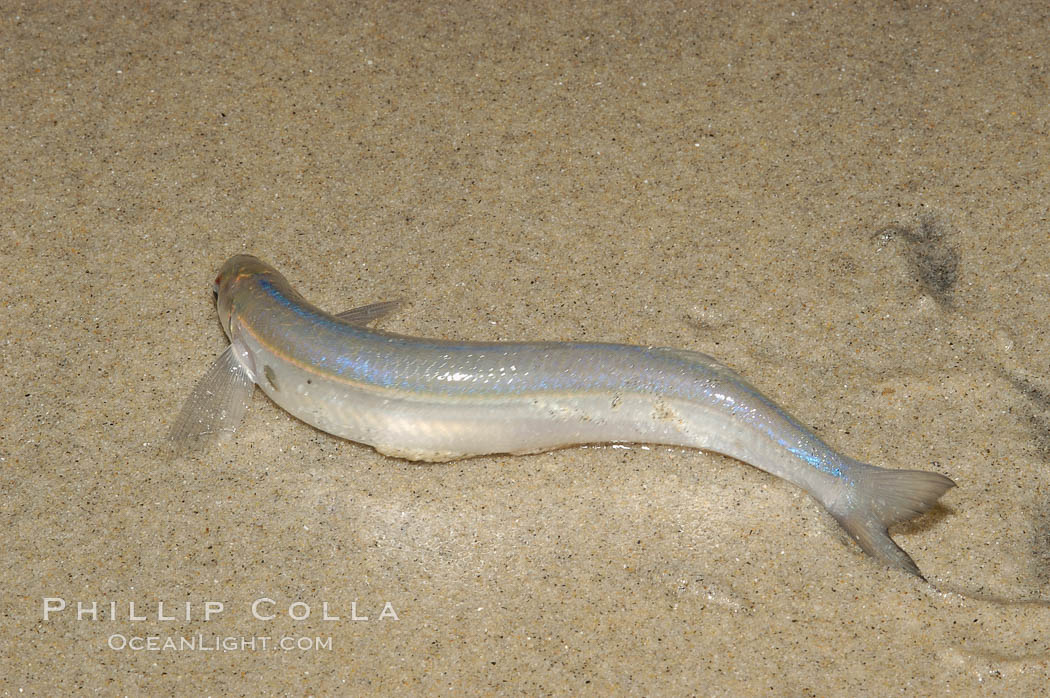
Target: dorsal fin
[367,313]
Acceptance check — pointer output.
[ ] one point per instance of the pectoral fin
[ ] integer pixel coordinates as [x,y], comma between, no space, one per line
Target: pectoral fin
[216,405]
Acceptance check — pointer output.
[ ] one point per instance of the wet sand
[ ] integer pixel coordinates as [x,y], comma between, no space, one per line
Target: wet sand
[847,205]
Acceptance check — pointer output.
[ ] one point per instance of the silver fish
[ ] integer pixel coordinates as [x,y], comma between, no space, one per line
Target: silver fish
[434,400]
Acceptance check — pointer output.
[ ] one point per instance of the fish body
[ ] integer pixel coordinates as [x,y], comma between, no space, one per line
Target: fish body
[435,400]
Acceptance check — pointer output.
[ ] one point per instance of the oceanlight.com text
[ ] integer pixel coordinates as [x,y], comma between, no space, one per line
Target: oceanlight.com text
[216,643]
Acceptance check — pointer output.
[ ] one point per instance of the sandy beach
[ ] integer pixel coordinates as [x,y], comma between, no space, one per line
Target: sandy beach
[848,204]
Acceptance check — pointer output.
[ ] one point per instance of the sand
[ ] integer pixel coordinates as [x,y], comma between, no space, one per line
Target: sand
[848,204]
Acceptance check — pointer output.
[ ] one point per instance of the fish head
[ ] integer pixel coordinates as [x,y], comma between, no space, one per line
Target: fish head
[238,273]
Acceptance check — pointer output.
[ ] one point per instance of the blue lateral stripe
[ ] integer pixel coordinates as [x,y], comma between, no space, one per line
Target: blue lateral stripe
[368,367]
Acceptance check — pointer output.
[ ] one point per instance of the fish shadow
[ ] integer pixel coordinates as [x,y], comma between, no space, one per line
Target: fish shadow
[927,520]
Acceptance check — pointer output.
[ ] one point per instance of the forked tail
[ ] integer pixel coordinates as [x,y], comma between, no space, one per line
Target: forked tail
[886,497]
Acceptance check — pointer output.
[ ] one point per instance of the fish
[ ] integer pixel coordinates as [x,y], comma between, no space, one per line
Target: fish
[438,400]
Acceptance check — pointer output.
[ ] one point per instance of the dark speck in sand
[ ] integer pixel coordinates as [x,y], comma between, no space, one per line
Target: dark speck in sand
[933,260]
[1037,415]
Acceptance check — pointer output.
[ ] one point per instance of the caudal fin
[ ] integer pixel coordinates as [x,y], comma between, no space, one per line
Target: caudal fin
[886,497]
